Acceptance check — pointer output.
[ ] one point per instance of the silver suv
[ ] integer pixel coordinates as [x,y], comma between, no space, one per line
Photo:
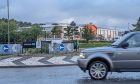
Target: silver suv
[122,56]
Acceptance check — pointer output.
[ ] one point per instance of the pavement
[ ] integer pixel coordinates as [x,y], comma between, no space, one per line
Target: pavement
[39,61]
[62,75]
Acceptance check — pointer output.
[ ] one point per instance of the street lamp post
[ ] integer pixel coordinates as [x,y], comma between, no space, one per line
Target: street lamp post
[8,21]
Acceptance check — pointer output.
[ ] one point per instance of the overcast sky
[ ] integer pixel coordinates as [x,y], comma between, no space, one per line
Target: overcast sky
[104,13]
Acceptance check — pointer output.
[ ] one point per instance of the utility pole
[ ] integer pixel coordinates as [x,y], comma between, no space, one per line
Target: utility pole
[8,21]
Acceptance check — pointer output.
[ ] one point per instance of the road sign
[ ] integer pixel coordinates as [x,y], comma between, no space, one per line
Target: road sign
[15,48]
[29,44]
[61,47]
[10,48]
[5,48]
[38,44]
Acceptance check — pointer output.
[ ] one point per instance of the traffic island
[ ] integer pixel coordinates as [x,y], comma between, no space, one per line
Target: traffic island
[40,61]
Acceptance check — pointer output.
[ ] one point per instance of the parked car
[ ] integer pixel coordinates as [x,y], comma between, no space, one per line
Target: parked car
[122,56]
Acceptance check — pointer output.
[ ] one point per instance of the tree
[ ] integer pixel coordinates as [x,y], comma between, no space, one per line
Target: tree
[32,33]
[16,36]
[87,34]
[72,30]
[56,31]
[47,34]
[137,25]
[4,30]
[23,24]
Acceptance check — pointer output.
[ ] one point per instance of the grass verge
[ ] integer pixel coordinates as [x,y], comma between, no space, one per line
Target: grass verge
[91,45]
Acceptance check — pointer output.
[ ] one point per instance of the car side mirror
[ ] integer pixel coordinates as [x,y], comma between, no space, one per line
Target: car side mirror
[125,45]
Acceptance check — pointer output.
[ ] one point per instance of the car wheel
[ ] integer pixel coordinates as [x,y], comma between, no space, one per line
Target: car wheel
[98,70]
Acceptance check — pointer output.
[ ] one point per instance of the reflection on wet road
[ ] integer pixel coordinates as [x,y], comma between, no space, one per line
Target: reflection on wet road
[61,75]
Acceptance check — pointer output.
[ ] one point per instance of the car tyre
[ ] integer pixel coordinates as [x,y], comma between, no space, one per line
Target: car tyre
[98,70]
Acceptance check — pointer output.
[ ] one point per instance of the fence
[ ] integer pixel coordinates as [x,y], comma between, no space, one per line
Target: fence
[10,49]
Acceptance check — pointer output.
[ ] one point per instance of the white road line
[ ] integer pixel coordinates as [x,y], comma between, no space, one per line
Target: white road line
[74,58]
[9,61]
[33,61]
[58,60]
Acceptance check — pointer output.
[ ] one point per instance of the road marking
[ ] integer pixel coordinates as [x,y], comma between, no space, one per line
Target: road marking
[36,61]
[74,58]
[33,61]
[9,61]
[58,60]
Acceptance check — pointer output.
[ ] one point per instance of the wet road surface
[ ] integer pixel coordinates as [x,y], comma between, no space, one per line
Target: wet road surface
[61,75]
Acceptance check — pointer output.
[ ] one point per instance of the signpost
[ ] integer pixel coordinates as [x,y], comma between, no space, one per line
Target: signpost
[5,48]
[38,44]
[29,44]
[10,48]
[61,47]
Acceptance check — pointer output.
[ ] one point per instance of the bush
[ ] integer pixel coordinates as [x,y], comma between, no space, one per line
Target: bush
[93,41]
[91,45]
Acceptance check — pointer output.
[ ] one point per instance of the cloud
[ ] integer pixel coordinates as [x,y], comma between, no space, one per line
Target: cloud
[69,20]
[101,12]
